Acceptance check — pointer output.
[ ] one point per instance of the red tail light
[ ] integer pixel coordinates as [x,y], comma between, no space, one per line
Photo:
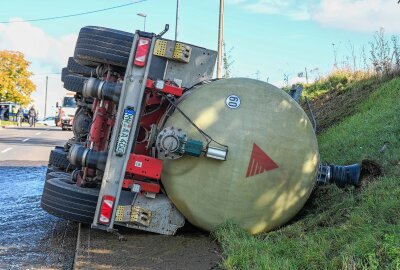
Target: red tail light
[106,209]
[142,50]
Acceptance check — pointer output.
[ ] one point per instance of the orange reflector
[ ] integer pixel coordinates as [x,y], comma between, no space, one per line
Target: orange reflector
[142,50]
[106,209]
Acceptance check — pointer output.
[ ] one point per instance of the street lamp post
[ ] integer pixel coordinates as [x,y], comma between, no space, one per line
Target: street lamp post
[144,23]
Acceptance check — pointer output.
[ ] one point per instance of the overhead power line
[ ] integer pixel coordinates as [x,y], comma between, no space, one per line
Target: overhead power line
[76,14]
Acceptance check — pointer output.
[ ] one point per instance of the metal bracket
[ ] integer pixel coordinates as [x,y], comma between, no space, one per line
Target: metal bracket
[140,216]
[132,95]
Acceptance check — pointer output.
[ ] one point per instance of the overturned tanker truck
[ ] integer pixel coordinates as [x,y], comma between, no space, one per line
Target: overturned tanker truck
[157,141]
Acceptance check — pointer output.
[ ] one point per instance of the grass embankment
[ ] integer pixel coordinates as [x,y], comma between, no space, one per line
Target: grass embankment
[339,229]
[338,95]
[6,123]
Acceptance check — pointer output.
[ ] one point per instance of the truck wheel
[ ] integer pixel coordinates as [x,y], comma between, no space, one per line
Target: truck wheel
[64,73]
[65,200]
[58,174]
[74,82]
[51,168]
[58,158]
[99,45]
[75,67]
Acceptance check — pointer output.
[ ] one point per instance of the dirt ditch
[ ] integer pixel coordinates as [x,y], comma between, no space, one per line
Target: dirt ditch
[370,170]
[333,106]
[189,249]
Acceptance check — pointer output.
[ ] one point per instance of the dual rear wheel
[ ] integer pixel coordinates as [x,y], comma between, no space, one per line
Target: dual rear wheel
[95,46]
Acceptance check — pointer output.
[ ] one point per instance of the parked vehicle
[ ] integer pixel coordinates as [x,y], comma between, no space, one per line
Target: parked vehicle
[157,141]
[8,114]
[67,111]
[48,121]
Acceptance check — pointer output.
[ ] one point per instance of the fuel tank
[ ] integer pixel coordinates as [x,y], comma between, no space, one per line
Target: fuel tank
[272,158]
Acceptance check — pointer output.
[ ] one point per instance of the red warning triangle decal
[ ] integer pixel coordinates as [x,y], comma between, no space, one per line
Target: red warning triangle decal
[259,162]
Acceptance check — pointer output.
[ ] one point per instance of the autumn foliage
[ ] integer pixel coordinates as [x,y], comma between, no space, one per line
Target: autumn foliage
[15,84]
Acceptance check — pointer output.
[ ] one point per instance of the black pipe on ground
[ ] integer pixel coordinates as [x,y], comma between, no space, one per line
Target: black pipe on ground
[339,175]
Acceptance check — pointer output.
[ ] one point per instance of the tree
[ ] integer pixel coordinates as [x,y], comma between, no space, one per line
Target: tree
[380,53]
[15,85]
[227,61]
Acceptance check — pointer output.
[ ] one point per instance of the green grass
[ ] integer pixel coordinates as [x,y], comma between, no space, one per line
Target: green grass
[339,228]
[6,123]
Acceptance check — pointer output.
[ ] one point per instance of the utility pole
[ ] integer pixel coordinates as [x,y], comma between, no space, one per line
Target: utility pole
[45,97]
[220,38]
[177,19]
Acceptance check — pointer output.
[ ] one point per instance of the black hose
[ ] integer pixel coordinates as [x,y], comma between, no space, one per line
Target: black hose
[345,175]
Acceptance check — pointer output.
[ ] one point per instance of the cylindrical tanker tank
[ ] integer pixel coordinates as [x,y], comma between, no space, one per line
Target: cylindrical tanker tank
[271,165]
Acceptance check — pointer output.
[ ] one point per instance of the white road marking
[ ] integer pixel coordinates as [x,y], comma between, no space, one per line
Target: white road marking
[38,133]
[24,140]
[6,150]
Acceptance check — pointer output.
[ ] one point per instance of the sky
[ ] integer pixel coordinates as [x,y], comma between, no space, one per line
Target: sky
[265,38]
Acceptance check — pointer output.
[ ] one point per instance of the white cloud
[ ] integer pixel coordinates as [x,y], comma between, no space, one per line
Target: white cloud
[361,15]
[47,54]
[36,44]
[294,9]
[289,8]
[354,15]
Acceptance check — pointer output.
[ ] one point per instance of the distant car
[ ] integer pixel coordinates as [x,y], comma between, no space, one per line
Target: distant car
[48,121]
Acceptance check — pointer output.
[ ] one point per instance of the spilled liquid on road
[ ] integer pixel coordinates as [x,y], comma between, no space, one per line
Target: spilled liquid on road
[29,237]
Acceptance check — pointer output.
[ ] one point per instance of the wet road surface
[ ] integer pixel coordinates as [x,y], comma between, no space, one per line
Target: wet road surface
[32,239]
[29,237]
[30,143]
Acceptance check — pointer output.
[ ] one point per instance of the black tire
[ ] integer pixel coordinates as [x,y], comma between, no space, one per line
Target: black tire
[58,174]
[64,73]
[69,201]
[51,168]
[74,83]
[75,67]
[99,45]
[58,158]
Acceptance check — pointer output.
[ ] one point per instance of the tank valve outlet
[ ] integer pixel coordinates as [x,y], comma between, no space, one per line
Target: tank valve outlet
[339,175]
[173,143]
[170,143]
[216,153]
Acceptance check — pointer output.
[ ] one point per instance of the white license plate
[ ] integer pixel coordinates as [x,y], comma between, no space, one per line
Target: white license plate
[123,137]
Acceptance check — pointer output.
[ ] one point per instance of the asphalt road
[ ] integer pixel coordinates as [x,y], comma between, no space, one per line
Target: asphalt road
[30,144]
[29,237]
